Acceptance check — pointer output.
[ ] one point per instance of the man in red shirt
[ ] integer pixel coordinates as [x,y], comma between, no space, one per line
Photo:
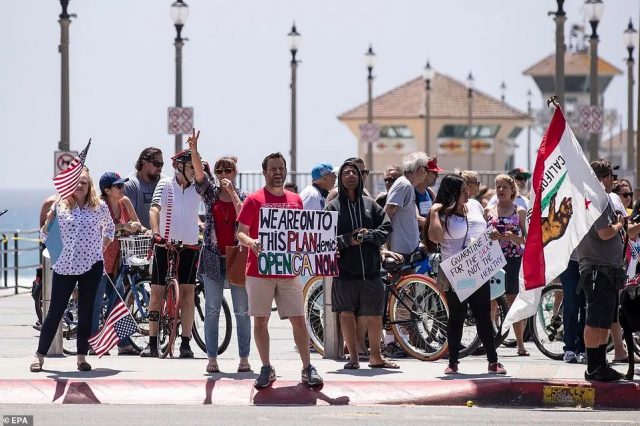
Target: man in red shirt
[263,289]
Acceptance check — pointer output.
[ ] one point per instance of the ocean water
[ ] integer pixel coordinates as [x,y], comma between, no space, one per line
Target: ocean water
[23,215]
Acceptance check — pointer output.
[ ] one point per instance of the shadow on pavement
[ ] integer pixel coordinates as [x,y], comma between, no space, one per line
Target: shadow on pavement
[300,394]
[93,374]
[365,372]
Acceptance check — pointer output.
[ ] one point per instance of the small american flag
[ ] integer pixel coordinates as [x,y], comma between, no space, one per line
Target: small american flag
[67,180]
[119,325]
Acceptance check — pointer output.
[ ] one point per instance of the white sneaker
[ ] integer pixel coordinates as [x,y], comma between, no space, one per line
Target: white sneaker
[570,357]
[581,358]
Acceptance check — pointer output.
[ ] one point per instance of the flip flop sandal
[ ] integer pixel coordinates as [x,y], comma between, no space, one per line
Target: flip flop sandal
[523,353]
[35,367]
[244,368]
[386,364]
[352,365]
[211,369]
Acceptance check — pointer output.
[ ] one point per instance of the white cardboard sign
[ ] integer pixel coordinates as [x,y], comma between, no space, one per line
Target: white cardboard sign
[470,268]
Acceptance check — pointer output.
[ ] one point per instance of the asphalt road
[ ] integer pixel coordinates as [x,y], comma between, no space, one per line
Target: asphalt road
[97,415]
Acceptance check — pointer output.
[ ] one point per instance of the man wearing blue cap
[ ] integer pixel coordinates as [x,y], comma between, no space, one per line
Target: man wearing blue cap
[323,180]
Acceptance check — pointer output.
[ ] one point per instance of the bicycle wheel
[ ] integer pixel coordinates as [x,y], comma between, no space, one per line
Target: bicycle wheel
[547,325]
[225,324]
[313,294]
[470,340]
[474,347]
[70,328]
[137,301]
[169,318]
[418,317]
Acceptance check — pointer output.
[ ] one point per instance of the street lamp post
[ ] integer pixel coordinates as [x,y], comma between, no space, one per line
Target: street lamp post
[427,74]
[560,18]
[529,130]
[179,13]
[294,42]
[63,48]
[630,44]
[593,10]
[370,62]
[503,91]
[470,82]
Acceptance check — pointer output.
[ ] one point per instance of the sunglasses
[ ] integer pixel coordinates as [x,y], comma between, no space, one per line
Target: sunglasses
[156,163]
[390,180]
[626,194]
[365,172]
[226,170]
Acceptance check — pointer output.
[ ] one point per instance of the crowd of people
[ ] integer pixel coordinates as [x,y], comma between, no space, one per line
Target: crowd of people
[449,212]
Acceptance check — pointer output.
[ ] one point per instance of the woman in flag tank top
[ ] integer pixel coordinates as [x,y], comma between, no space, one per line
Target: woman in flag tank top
[86,228]
[509,220]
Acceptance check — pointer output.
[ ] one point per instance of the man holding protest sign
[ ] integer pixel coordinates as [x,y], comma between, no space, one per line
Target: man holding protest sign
[358,290]
[284,287]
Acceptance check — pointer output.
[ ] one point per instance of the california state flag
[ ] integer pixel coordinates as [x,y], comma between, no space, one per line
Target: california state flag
[567,198]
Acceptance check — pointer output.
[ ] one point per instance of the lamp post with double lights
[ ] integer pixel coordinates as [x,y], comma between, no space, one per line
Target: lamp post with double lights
[593,12]
[294,44]
[427,74]
[370,62]
[529,130]
[630,43]
[503,91]
[179,14]
[63,48]
[560,17]
[470,83]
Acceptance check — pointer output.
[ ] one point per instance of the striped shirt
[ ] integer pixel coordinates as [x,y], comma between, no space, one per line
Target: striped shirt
[178,211]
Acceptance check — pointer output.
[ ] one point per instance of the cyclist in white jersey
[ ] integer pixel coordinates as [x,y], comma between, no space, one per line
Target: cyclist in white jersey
[174,218]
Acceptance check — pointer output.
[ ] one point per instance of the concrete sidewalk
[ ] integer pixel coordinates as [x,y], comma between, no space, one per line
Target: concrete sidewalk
[531,381]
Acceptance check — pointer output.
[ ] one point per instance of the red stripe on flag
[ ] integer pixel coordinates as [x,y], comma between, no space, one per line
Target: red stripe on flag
[533,259]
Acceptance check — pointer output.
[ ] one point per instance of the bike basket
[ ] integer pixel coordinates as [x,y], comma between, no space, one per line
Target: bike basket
[135,250]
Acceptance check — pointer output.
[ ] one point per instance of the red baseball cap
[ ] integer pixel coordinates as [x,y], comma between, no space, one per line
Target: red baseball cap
[432,166]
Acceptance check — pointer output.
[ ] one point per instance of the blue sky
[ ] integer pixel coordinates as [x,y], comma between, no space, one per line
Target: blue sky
[236,71]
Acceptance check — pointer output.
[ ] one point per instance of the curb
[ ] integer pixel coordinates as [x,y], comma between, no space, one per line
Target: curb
[484,392]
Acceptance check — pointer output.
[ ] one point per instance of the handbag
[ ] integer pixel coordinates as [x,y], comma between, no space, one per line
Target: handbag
[236,262]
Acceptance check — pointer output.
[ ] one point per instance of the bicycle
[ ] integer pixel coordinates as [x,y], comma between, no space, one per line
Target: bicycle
[170,309]
[135,259]
[416,310]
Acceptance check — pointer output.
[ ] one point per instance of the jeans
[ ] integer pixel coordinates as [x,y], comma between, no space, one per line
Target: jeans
[213,303]
[481,309]
[574,309]
[105,288]
[61,289]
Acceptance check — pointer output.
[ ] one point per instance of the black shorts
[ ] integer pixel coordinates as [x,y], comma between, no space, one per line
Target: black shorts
[602,299]
[362,297]
[512,272]
[187,265]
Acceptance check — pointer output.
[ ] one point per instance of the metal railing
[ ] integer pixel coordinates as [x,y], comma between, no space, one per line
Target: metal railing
[14,244]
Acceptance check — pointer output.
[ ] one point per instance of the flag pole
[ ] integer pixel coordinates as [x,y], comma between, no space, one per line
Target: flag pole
[120,297]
